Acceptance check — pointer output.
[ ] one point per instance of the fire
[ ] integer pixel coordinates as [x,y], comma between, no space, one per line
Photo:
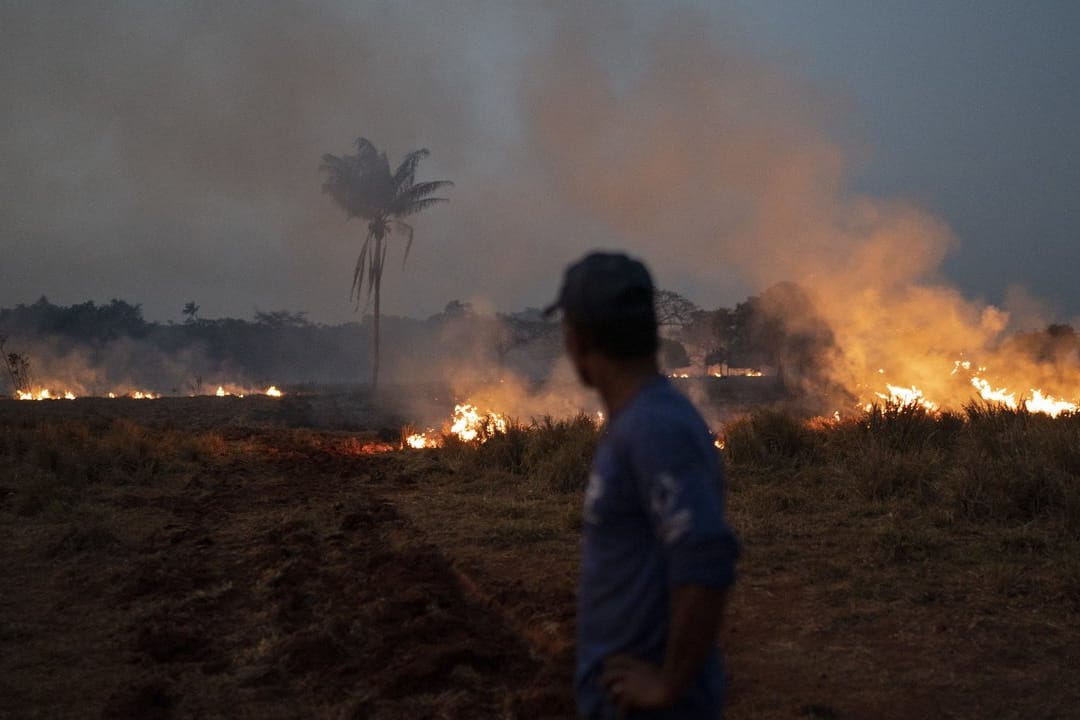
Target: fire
[1049,405]
[47,394]
[1035,401]
[467,424]
[44,394]
[1038,403]
[470,425]
[989,393]
[419,441]
[906,396]
[236,391]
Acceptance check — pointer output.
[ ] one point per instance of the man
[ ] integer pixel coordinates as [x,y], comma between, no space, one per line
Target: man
[657,555]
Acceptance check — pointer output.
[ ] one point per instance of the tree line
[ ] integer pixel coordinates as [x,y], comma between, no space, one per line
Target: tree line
[778,332]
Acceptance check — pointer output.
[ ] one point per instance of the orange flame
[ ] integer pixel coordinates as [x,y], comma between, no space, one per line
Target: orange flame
[469,424]
[44,394]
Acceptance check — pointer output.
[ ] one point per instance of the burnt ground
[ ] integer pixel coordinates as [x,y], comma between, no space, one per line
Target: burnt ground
[287,573]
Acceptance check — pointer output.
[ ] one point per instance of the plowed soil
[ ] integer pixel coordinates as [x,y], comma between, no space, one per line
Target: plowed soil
[271,584]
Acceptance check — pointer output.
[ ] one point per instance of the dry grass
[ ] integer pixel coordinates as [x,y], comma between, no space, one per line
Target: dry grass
[902,565]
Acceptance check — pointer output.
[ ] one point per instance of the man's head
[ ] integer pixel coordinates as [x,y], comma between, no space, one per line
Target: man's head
[608,314]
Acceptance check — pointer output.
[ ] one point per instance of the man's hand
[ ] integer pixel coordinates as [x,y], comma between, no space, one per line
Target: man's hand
[634,683]
[695,620]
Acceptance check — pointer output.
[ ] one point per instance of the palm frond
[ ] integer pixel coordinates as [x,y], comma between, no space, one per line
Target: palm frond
[383,168]
[417,205]
[408,232]
[406,171]
[366,153]
[422,190]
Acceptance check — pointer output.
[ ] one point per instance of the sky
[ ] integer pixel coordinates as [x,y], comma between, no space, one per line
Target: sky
[169,152]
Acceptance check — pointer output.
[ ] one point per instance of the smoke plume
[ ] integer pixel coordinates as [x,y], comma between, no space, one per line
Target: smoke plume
[165,153]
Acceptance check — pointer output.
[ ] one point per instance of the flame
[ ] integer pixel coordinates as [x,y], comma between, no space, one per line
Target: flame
[469,424]
[419,441]
[1037,400]
[44,394]
[1045,404]
[906,396]
[47,394]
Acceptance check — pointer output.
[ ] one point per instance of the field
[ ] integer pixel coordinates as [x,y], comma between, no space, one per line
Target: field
[223,558]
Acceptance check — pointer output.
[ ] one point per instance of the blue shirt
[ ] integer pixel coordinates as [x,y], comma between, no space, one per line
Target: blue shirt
[654,519]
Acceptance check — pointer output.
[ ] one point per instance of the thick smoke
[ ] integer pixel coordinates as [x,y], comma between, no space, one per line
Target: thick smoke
[165,153]
[718,167]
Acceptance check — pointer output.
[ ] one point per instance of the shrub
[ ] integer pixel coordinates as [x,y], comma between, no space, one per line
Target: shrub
[555,453]
[769,438]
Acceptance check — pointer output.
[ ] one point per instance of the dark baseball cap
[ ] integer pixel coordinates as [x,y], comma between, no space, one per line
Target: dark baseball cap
[605,287]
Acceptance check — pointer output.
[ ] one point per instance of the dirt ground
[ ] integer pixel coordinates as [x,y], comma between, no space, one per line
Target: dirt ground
[282,573]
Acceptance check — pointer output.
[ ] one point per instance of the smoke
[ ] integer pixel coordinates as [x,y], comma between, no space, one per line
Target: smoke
[166,153]
[717,166]
[122,366]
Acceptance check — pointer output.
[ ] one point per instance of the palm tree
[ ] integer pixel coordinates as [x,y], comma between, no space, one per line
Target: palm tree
[365,188]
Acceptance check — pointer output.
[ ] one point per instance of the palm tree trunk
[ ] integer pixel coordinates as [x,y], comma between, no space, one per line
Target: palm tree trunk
[378,285]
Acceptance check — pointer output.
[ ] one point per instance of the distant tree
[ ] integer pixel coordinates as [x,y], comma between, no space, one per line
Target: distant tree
[709,331]
[456,310]
[673,354]
[511,331]
[364,186]
[672,309]
[190,311]
[782,328]
[18,367]
[282,318]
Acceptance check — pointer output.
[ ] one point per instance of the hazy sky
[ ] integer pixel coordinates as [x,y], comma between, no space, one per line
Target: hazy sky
[166,152]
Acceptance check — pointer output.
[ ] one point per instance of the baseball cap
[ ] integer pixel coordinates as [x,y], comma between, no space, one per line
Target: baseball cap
[605,287]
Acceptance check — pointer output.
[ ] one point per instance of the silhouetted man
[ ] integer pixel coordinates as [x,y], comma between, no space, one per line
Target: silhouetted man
[657,555]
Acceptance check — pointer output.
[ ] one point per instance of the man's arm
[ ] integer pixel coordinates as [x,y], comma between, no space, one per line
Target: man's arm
[696,614]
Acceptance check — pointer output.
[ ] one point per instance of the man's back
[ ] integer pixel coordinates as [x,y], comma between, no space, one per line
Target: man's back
[654,520]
